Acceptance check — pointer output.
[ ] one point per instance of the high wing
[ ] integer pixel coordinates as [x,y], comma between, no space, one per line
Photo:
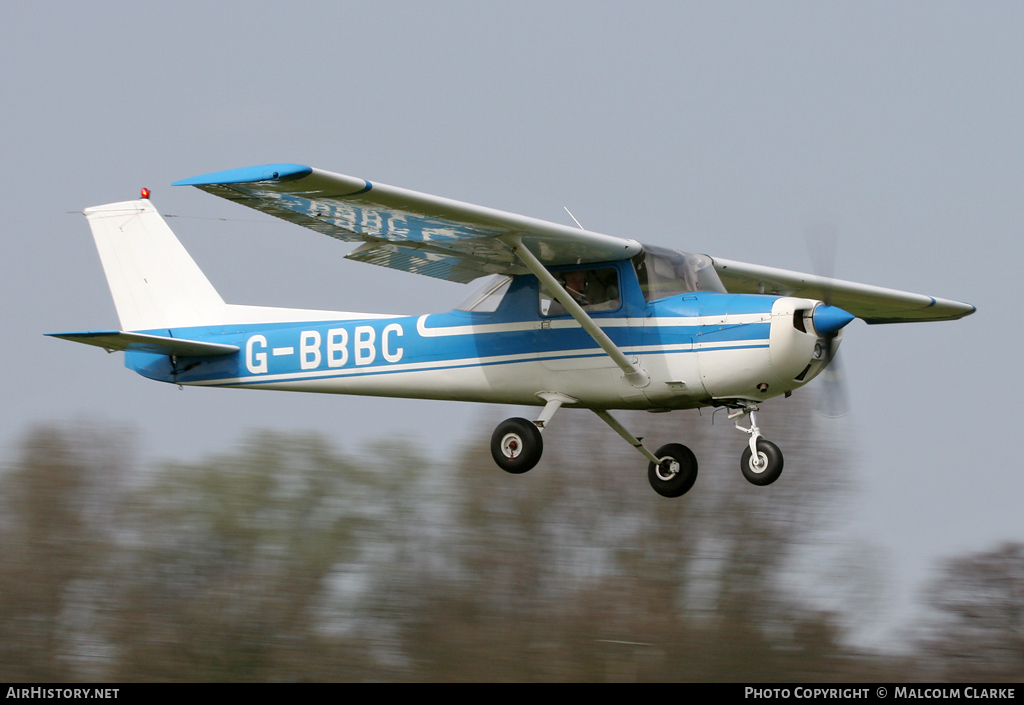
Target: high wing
[447,239]
[408,230]
[873,304]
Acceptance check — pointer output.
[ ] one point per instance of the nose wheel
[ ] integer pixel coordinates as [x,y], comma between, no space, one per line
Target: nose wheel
[761,462]
[766,467]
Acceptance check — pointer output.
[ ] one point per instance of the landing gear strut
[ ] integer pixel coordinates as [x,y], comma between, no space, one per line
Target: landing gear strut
[672,470]
[762,461]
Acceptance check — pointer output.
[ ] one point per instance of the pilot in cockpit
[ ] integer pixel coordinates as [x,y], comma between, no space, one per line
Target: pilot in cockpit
[575,282]
[592,289]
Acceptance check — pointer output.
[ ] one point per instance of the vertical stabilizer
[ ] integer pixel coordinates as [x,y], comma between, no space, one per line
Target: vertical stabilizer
[154,281]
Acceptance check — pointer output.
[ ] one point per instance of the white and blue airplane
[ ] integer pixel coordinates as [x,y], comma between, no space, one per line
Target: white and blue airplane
[568,317]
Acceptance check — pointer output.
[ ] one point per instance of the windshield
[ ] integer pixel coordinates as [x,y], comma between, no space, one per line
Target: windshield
[486,297]
[663,272]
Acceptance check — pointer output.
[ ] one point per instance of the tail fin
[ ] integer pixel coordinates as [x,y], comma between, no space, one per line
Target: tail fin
[154,281]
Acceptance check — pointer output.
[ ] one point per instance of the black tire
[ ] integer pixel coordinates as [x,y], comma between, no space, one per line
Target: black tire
[516,445]
[766,475]
[679,482]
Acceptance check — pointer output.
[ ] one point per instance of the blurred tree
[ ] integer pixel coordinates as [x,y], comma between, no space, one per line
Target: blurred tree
[228,563]
[579,571]
[59,517]
[285,561]
[977,628]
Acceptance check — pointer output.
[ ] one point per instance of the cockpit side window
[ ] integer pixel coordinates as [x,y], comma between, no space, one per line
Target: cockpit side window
[592,289]
[662,272]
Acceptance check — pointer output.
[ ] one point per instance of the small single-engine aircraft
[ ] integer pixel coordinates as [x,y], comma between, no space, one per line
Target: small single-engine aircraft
[568,317]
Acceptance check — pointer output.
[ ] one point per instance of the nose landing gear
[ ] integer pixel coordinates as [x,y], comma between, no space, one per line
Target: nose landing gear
[762,461]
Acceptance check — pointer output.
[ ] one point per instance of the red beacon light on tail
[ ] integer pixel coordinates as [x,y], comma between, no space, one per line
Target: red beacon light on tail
[145,193]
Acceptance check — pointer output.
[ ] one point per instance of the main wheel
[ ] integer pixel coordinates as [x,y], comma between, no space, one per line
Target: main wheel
[516,445]
[769,467]
[676,473]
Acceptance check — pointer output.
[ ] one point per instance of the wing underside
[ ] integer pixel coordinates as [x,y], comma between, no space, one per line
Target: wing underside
[408,230]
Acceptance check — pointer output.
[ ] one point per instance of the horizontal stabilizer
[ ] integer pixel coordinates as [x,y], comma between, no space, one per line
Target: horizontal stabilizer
[112,340]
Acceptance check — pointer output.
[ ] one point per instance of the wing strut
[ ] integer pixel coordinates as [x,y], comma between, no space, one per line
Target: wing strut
[635,374]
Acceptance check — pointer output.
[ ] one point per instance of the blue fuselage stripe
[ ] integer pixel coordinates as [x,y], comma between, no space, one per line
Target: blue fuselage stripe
[375,371]
[352,348]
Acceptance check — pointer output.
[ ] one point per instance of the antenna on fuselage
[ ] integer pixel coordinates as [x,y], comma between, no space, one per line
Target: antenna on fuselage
[573,217]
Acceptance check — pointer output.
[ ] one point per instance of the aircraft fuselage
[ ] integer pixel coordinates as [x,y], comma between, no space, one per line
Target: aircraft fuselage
[697,348]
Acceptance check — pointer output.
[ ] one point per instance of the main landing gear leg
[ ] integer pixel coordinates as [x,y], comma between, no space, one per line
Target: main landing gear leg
[671,472]
[762,461]
[516,444]
[554,403]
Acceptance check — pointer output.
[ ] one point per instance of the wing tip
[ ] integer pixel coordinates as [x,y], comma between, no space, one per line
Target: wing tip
[953,311]
[248,175]
[960,309]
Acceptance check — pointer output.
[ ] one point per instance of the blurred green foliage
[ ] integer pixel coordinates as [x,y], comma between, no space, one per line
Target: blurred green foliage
[285,560]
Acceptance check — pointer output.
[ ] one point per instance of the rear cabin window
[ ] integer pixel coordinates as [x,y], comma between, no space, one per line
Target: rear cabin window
[662,272]
[592,289]
[487,297]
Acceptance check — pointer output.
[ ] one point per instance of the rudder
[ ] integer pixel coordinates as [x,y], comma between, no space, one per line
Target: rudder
[154,281]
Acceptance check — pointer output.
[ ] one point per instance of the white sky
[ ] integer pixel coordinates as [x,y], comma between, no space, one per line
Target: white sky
[715,127]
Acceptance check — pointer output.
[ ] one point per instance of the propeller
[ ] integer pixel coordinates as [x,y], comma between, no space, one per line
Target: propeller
[821,239]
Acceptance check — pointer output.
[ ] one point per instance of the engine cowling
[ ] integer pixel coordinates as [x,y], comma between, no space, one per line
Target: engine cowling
[803,336]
